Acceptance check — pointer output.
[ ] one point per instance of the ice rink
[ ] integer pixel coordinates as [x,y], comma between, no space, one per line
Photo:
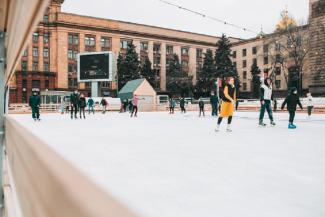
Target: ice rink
[162,165]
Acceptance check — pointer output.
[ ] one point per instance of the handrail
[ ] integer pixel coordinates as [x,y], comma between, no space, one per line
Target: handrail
[47,185]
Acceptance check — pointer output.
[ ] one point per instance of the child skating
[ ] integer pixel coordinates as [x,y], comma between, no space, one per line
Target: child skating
[292,100]
[310,104]
[228,103]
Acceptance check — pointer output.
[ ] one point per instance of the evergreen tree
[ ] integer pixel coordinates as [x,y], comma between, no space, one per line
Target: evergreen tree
[128,66]
[147,72]
[178,82]
[223,63]
[256,82]
[207,76]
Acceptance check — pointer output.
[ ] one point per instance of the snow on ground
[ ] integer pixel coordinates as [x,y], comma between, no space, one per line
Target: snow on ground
[162,165]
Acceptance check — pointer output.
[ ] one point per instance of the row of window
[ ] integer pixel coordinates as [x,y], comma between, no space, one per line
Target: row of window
[277,85]
[35,66]
[46,38]
[254,60]
[35,52]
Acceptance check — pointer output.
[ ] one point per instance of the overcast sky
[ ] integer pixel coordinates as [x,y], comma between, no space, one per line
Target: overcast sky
[248,13]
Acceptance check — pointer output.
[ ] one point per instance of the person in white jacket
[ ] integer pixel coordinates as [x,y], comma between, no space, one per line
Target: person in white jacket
[266,99]
[310,104]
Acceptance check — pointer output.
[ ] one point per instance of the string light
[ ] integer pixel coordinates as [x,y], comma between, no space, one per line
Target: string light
[208,17]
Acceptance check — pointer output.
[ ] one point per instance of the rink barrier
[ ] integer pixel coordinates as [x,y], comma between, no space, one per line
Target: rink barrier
[47,185]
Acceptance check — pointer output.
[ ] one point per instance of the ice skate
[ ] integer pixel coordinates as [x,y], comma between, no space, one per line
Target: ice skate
[261,124]
[217,129]
[292,126]
[229,128]
[272,123]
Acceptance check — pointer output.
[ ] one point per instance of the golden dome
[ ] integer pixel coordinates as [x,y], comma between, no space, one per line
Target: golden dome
[285,22]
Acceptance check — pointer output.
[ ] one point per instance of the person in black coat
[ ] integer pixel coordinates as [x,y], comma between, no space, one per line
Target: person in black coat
[182,105]
[292,100]
[82,105]
[74,101]
[34,103]
[201,106]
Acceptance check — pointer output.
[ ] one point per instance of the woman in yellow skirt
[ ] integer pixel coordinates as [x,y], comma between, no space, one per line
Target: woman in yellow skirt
[228,102]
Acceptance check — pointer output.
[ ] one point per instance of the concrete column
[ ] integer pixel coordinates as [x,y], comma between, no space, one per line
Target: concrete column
[62,76]
[163,67]
[150,51]
[192,63]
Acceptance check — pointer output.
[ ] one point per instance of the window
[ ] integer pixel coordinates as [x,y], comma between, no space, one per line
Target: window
[46,52]
[24,83]
[266,48]
[184,63]
[47,84]
[234,64]
[185,51]
[169,49]
[254,50]
[255,61]
[278,84]
[156,47]
[266,72]
[35,52]
[244,86]
[72,82]
[25,54]
[234,54]
[278,58]
[72,68]
[299,40]
[35,37]
[35,66]
[36,83]
[70,54]
[199,53]
[244,52]
[73,39]
[266,60]
[156,60]
[105,42]
[244,74]
[89,41]
[124,43]
[244,63]
[46,38]
[278,47]
[24,65]
[144,46]
[46,18]
[278,70]
[46,66]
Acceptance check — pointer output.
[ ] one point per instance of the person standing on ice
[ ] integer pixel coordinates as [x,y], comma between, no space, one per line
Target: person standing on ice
[228,103]
[182,105]
[103,103]
[266,99]
[201,107]
[82,106]
[292,100]
[34,103]
[74,101]
[135,101]
[214,104]
[310,104]
[91,104]
[172,104]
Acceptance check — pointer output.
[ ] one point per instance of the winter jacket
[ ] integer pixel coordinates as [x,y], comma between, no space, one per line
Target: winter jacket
[172,103]
[103,102]
[74,98]
[266,92]
[213,100]
[90,102]
[201,104]
[292,100]
[82,102]
[34,101]
[310,101]
[135,101]
[182,102]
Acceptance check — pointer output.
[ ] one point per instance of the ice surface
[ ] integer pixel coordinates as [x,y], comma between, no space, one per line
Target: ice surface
[162,165]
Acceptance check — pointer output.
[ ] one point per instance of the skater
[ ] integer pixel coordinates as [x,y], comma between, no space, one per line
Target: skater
[74,101]
[228,103]
[182,105]
[292,100]
[310,104]
[34,103]
[125,105]
[201,107]
[237,105]
[135,101]
[91,104]
[275,105]
[130,106]
[103,103]
[82,105]
[214,104]
[266,98]
[62,105]
[172,104]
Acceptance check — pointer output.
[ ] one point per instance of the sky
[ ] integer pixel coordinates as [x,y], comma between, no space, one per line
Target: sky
[251,14]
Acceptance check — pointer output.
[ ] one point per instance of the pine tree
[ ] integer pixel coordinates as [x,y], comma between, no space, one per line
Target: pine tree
[223,63]
[147,72]
[128,66]
[207,76]
[178,82]
[255,70]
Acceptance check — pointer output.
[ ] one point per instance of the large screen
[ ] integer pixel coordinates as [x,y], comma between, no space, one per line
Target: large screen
[95,67]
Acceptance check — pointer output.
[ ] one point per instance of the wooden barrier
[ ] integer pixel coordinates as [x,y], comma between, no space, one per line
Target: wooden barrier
[47,185]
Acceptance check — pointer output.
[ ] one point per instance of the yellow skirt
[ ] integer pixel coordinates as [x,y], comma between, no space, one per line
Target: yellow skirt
[227,109]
